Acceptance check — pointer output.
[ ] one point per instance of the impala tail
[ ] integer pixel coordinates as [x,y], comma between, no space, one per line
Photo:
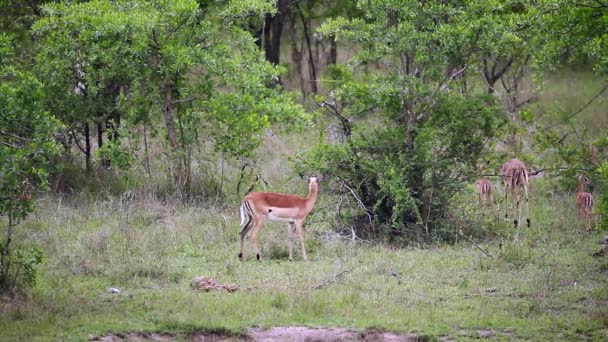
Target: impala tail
[246,218]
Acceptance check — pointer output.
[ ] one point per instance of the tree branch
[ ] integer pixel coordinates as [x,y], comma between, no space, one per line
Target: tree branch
[580,109]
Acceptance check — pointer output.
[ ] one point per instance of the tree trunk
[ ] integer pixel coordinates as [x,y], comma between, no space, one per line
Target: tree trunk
[5,252]
[311,62]
[168,113]
[333,51]
[104,161]
[179,174]
[146,154]
[273,28]
[87,147]
[296,56]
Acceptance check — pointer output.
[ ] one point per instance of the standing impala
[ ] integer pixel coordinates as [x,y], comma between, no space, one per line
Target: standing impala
[257,207]
[514,174]
[584,201]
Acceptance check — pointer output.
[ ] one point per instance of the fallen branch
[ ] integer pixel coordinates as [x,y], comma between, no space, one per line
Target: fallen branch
[333,280]
[476,245]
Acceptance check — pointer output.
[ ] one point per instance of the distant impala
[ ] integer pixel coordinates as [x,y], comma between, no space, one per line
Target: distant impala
[484,190]
[584,201]
[257,207]
[514,174]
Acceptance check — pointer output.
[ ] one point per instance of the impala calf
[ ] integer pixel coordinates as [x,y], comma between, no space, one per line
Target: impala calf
[257,207]
[514,175]
[584,201]
[484,190]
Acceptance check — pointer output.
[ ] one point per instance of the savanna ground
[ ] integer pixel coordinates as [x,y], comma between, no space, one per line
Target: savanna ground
[544,286]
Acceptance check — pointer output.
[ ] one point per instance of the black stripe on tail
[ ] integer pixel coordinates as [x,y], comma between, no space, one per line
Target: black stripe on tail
[249,223]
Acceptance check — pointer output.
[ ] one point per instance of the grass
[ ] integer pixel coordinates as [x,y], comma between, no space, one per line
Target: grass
[545,286]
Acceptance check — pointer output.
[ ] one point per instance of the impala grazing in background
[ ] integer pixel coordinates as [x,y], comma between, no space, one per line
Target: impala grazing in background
[484,190]
[584,201]
[257,207]
[514,175]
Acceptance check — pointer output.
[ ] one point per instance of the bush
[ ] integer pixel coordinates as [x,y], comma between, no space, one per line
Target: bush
[405,189]
[19,270]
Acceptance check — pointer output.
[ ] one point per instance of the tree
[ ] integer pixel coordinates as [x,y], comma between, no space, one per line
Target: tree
[178,61]
[26,145]
[576,33]
[414,57]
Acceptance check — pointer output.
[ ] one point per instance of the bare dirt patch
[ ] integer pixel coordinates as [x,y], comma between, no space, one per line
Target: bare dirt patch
[275,334]
[306,334]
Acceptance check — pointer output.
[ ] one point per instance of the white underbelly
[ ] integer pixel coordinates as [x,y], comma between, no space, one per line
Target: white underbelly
[275,218]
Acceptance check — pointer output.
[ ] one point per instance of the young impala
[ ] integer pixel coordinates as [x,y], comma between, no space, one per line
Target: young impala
[514,174]
[257,207]
[484,190]
[584,201]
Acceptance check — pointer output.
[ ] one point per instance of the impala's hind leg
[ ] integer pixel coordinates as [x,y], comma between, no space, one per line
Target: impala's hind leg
[300,231]
[292,233]
[528,220]
[253,237]
[243,233]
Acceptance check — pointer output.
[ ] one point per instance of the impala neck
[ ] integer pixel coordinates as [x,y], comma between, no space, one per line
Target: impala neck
[313,188]
[580,188]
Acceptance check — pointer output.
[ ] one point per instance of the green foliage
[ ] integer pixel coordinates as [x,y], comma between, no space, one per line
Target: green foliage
[26,146]
[115,151]
[576,32]
[399,187]
[194,68]
[433,129]
[20,265]
[601,183]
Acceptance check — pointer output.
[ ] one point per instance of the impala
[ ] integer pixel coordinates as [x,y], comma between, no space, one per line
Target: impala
[484,190]
[257,207]
[514,174]
[584,201]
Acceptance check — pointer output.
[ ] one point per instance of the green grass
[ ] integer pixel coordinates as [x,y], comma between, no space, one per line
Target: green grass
[546,286]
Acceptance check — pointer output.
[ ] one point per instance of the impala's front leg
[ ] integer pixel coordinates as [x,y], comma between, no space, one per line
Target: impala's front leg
[300,230]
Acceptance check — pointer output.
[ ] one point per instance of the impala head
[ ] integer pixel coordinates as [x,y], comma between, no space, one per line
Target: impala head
[583,179]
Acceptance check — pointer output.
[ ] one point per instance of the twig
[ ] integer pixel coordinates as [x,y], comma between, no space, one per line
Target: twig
[476,245]
[359,201]
[581,109]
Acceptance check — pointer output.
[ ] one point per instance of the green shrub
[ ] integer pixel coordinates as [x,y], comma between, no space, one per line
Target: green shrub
[20,268]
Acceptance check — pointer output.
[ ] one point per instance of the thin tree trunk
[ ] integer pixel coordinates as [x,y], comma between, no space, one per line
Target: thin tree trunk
[311,62]
[168,113]
[104,161]
[99,135]
[333,51]
[87,147]
[5,251]
[171,134]
[146,154]
[296,56]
